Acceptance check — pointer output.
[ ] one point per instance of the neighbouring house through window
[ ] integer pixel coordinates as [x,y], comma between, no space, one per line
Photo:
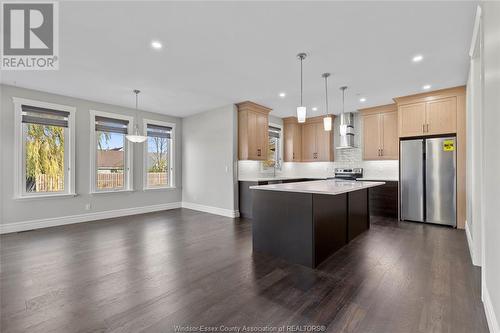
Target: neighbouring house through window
[111,153]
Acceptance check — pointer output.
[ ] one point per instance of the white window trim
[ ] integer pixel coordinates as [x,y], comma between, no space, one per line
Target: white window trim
[129,165]
[270,170]
[145,156]
[69,150]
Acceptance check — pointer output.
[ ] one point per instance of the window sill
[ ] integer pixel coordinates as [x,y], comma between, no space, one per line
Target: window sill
[159,188]
[45,196]
[109,192]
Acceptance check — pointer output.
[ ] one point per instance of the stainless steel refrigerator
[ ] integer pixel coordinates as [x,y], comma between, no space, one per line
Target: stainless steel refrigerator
[428,180]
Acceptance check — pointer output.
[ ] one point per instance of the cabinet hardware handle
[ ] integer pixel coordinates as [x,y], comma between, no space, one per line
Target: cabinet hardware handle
[423,127]
[427,128]
[381,151]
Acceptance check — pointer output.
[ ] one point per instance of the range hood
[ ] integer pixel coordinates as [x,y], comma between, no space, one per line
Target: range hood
[346,130]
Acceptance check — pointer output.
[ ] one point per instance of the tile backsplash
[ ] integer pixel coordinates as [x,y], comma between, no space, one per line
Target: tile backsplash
[344,158]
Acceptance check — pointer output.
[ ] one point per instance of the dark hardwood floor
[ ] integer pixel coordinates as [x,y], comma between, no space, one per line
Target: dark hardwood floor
[154,271]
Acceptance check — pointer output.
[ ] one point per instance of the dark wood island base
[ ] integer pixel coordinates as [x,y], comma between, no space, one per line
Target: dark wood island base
[306,228]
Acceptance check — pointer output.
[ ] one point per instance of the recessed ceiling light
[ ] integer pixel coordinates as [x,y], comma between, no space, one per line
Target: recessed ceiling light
[418,58]
[426,87]
[282,95]
[156,45]
[315,109]
[362,99]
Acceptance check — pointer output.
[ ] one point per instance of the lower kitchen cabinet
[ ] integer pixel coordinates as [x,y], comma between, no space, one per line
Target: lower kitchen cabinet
[384,200]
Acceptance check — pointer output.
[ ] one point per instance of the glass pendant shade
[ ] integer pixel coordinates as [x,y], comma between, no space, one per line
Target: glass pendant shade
[136,137]
[301,114]
[327,123]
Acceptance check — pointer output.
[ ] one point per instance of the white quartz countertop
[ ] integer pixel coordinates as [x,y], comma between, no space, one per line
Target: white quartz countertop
[265,179]
[381,179]
[329,186]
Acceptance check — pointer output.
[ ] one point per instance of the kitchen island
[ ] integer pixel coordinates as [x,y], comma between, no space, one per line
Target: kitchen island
[306,222]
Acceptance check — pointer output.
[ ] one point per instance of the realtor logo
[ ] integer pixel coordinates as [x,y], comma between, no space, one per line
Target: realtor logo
[30,36]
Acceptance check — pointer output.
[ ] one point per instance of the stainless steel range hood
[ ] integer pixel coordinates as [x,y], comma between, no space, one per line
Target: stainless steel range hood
[346,131]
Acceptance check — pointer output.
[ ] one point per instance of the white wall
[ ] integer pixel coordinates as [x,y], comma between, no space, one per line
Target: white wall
[209,153]
[475,135]
[491,198]
[17,211]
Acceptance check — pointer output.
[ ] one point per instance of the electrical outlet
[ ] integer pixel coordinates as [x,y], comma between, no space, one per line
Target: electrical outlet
[88,206]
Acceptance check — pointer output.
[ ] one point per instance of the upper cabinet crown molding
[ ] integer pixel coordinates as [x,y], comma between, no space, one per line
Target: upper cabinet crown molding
[378,109]
[430,96]
[253,131]
[252,106]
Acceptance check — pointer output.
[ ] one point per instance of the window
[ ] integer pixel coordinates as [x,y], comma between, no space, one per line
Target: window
[158,155]
[274,157]
[111,152]
[44,149]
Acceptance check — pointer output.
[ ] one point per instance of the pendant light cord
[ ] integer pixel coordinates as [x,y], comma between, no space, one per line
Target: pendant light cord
[326,93]
[343,98]
[301,103]
[136,91]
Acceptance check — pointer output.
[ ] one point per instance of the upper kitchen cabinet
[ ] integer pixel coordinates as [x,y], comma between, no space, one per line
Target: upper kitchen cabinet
[380,132]
[441,116]
[317,144]
[412,119]
[431,113]
[292,133]
[253,131]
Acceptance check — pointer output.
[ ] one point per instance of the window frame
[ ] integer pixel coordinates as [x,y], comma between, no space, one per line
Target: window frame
[19,151]
[171,161]
[263,169]
[129,165]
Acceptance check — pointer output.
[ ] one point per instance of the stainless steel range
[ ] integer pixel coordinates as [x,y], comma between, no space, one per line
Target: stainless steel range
[348,174]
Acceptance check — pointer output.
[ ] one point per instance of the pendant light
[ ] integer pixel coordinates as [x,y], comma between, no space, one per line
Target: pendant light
[327,121]
[301,110]
[136,137]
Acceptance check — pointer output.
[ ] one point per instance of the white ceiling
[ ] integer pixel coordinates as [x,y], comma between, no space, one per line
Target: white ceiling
[215,53]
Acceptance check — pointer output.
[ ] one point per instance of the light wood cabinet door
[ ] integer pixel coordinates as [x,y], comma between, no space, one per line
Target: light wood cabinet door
[262,136]
[324,144]
[292,142]
[253,131]
[371,136]
[308,142]
[441,116]
[252,135]
[389,136]
[412,119]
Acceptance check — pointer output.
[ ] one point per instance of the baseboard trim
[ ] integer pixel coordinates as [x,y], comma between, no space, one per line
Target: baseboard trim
[211,209]
[490,313]
[57,221]
[469,242]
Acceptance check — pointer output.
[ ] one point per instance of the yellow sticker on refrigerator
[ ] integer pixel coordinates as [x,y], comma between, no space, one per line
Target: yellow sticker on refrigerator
[448,145]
